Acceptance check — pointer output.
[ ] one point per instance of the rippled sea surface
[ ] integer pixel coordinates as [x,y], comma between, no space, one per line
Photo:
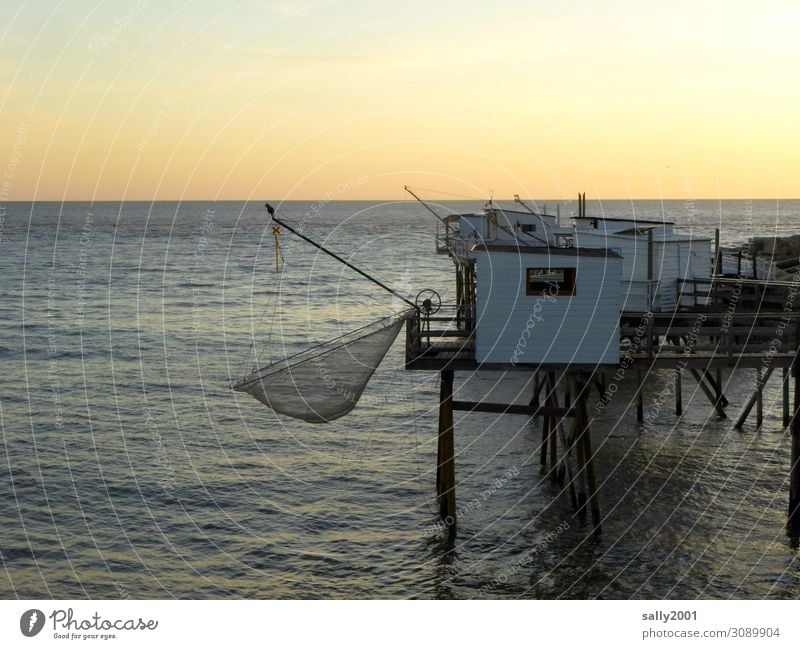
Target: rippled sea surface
[128,468]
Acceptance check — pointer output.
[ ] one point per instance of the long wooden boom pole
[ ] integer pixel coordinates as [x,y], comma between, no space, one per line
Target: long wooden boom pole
[271,211]
[424,204]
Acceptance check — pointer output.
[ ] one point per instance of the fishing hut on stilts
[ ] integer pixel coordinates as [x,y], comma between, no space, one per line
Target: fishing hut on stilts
[580,305]
[576,305]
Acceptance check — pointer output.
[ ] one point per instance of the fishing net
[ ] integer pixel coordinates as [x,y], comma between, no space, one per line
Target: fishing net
[323,383]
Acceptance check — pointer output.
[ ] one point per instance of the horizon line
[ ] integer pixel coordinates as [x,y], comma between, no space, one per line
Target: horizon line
[379,200]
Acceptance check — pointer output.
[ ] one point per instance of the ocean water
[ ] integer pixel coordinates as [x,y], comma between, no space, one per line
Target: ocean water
[129,469]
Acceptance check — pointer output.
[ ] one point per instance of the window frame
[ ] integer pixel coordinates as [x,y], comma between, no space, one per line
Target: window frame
[569,282]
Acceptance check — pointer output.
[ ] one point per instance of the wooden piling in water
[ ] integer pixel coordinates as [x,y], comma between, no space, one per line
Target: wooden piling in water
[759,398]
[785,390]
[580,472]
[446,475]
[753,398]
[793,524]
[712,392]
[565,468]
[545,438]
[639,398]
[535,397]
[459,295]
[553,434]
[678,393]
[585,443]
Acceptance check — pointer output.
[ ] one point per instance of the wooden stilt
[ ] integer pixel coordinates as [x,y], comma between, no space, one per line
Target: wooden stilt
[580,474]
[678,393]
[545,438]
[534,402]
[538,383]
[759,399]
[439,457]
[446,474]
[702,385]
[552,443]
[716,384]
[459,295]
[785,386]
[600,384]
[793,524]
[565,458]
[560,466]
[752,401]
[714,397]
[585,442]
[639,398]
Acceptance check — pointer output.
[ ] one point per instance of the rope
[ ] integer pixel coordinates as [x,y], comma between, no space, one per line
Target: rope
[436,191]
[256,333]
[271,324]
[306,230]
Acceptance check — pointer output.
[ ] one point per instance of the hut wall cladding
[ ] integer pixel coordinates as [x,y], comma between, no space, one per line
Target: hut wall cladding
[669,263]
[583,328]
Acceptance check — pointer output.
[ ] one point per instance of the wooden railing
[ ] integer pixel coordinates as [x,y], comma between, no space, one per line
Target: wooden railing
[447,333]
[722,292]
[731,335]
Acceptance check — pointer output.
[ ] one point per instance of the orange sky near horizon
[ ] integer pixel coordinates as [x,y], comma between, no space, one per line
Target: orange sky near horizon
[297,100]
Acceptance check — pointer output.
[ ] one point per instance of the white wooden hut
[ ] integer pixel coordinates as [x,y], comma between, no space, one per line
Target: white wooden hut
[498,226]
[656,260]
[538,305]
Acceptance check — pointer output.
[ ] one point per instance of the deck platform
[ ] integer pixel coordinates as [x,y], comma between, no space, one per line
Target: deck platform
[690,338]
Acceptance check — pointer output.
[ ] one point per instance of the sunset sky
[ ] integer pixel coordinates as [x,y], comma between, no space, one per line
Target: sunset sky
[295,100]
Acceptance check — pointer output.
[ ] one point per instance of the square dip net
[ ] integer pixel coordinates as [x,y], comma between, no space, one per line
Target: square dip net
[325,382]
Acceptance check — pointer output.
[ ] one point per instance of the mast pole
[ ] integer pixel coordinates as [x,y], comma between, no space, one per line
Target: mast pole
[271,212]
[424,204]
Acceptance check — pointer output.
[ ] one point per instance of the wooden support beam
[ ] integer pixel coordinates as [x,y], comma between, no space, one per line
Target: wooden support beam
[712,396]
[678,392]
[793,524]
[702,385]
[785,387]
[716,385]
[459,295]
[446,482]
[566,445]
[537,386]
[552,443]
[600,384]
[759,398]
[545,441]
[585,442]
[580,473]
[639,397]
[534,403]
[513,409]
[752,400]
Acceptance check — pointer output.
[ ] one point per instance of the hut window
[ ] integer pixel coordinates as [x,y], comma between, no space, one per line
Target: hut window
[528,227]
[555,281]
